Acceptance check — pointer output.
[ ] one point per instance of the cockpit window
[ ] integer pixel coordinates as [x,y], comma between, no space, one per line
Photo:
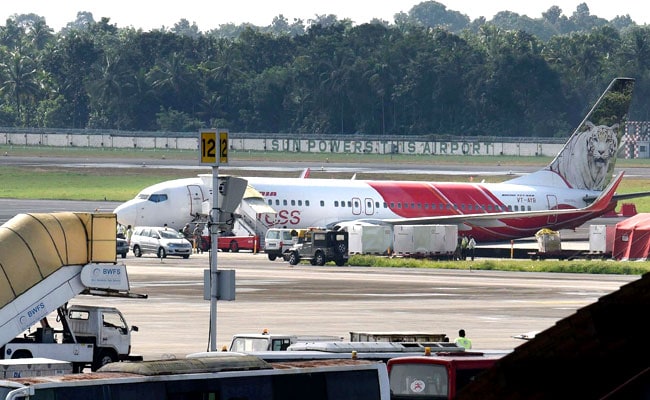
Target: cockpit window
[143,196]
[157,198]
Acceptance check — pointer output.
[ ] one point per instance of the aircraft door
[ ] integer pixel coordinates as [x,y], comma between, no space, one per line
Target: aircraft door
[356,206]
[197,197]
[370,206]
[552,204]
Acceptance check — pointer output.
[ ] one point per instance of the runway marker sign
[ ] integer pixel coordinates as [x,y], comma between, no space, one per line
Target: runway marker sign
[211,151]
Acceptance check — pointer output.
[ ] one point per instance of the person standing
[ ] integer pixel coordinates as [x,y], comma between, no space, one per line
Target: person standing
[471,245]
[197,238]
[187,234]
[120,231]
[129,233]
[463,341]
[463,248]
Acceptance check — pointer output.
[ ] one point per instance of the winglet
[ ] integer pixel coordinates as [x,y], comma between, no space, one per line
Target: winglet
[305,173]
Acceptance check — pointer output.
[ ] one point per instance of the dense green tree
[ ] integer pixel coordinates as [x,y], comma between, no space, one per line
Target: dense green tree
[11,35]
[183,27]
[431,71]
[20,83]
[435,15]
[83,21]
[268,92]
[281,26]
[175,82]
[69,62]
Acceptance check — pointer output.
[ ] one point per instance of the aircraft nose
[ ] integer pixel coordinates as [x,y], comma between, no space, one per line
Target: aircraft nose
[126,213]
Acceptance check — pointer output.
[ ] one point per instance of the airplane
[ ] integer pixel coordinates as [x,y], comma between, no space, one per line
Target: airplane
[575,187]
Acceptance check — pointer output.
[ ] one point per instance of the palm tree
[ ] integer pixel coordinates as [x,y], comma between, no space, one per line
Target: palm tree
[106,89]
[19,82]
[171,78]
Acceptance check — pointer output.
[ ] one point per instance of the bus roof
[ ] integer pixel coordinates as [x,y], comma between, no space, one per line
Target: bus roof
[460,360]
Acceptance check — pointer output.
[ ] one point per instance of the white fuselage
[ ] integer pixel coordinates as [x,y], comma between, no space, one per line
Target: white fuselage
[306,202]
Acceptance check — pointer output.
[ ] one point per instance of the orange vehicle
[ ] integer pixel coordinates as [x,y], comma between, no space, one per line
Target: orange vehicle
[436,377]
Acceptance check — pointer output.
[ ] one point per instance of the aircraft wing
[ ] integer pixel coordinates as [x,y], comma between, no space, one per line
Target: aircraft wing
[599,206]
[619,197]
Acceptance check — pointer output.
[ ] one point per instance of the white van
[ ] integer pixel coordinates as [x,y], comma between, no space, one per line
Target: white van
[276,241]
[161,241]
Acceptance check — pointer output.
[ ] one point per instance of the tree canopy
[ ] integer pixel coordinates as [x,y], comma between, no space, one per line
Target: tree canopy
[432,71]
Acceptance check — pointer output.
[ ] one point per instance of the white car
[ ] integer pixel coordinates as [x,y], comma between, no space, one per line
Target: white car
[161,241]
[276,242]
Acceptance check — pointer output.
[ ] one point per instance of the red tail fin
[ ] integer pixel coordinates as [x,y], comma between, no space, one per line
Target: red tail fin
[603,201]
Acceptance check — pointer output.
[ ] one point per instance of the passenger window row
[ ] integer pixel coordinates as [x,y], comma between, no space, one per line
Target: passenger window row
[400,205]
[293,203]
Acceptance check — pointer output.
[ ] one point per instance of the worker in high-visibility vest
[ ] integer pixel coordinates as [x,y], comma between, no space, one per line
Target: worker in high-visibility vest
[463,247]
[471,247]
[463,341]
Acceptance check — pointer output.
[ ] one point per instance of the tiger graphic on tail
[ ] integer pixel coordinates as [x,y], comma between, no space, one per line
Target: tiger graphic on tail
[585,162]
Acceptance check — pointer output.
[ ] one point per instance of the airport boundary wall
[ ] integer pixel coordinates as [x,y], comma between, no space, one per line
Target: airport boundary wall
[637,143]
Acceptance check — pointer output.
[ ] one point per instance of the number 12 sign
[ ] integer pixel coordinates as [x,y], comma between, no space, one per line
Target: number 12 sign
[214,147]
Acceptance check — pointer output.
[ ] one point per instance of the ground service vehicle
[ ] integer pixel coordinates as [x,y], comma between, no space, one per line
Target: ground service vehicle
[340,350]
[266,341]
[277,241]
[319,246]
[227,241]
[45,267]
[162,241]
[397,336]
[233,243]
[436,377]
[379,346]
[236,243]
[272,342]
[220,377]
[95,337]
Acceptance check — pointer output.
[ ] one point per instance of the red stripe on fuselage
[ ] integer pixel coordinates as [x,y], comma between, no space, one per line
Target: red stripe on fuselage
[412,196]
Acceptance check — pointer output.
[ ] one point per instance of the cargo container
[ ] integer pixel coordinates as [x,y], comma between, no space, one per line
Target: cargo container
[431,241]
[370,239]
